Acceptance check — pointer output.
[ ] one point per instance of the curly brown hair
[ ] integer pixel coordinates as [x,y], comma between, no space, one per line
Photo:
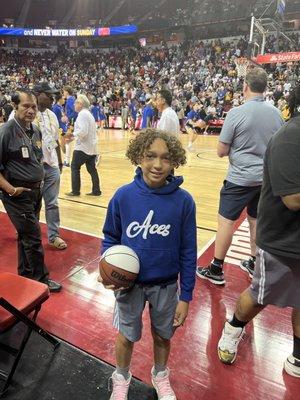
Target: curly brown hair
[141,143]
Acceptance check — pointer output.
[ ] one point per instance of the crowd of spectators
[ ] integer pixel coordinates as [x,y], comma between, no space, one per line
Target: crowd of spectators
[193,71]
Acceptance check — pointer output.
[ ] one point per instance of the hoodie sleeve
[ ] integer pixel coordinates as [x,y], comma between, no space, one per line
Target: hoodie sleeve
[112,229]
[188,252]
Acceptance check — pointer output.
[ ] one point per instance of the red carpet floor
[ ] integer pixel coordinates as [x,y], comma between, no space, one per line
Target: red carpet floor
[82,314]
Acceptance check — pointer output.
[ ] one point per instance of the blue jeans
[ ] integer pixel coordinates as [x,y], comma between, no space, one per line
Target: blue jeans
[50,196]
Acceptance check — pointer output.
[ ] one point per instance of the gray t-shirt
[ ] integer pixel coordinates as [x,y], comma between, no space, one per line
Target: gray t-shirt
[248,129]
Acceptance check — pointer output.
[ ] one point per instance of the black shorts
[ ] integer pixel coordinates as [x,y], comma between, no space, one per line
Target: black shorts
[234,198]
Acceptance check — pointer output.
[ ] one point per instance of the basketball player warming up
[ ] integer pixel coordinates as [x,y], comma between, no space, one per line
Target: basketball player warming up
[156,218]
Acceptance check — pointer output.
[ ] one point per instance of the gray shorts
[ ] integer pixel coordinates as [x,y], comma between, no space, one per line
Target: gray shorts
[276,280]
[130,305]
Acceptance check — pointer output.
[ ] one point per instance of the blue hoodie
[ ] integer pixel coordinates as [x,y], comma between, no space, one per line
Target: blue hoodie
[160,226]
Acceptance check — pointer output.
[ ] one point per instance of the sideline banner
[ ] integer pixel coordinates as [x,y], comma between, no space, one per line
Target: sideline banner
[278,57]
[89,32]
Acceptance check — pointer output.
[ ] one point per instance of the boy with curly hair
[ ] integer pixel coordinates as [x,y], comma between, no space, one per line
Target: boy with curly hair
[156,218]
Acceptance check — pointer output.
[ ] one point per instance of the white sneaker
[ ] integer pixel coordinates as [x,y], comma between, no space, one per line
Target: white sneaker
[228,343]
[120,386]
[162,385]
[292,366]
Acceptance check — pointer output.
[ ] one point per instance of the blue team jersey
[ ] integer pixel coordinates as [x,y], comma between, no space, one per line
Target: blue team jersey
[95,110]
[193,115]
[70,109]
[58,111]
[148,113]
[133,111]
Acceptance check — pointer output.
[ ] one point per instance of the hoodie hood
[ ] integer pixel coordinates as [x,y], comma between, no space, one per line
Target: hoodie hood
[173,184]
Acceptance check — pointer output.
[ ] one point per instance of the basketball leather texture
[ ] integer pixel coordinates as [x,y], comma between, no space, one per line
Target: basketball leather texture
[112,275]
[119,266]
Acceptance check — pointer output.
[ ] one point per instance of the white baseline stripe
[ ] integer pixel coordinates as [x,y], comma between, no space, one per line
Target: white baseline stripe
[82,232]
[206,246]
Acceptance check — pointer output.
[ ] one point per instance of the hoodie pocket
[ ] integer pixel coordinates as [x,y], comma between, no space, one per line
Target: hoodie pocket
[157,263]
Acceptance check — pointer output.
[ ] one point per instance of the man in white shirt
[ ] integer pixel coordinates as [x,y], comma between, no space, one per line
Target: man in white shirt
[48,124]
[85,150]
[169,121]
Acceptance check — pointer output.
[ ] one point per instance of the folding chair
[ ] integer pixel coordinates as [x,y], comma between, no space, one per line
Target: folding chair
[20,297]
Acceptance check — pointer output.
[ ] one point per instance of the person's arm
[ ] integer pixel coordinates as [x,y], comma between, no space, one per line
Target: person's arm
[4,184]
[10,189]
[223,149]
[292,201]
[112,228]
[112,231]
[226,135]
[58,152]
[188,262]
[57,148]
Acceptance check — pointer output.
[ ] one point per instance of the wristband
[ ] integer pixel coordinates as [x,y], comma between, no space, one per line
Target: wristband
[14,192]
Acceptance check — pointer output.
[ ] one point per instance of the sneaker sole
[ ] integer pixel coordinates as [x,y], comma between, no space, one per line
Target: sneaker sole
[246,270]
[289,370]
[227,362]
[210,280]
[155,387]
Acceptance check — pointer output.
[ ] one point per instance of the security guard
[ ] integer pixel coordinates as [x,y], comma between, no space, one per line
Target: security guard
[21,179]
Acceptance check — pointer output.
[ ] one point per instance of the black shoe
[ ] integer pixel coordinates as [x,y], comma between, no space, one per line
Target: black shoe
[205,273]
[53,286]
[72,194]
[248,266]
[65,164]
[94,194]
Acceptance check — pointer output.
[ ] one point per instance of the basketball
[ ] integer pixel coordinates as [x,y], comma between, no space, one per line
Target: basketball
[119,266]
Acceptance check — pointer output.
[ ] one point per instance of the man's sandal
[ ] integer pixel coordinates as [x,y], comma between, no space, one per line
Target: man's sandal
[59,243]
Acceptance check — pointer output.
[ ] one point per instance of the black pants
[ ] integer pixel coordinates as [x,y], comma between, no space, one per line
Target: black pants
[80,158]
[23,212]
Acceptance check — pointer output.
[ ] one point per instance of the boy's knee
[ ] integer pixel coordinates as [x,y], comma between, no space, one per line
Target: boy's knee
[124,341]
[158,339]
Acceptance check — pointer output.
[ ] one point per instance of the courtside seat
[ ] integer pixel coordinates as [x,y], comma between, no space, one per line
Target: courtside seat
[215,124]
[24,294]
[20,297]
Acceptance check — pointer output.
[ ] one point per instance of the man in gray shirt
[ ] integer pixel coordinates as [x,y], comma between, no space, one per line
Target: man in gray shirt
[244,138]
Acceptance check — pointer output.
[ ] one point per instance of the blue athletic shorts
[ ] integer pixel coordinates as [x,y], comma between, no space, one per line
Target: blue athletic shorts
[234,198]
